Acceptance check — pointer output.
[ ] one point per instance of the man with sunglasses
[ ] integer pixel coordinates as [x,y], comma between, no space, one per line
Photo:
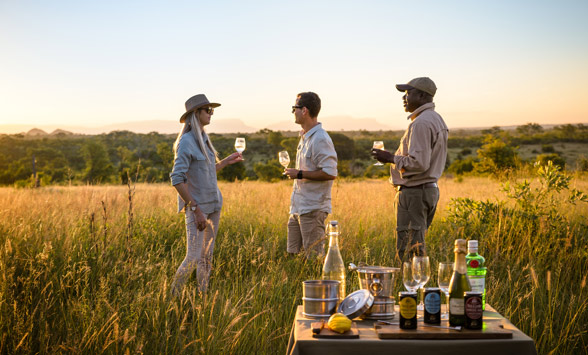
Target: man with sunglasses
[416,166]
[313,175]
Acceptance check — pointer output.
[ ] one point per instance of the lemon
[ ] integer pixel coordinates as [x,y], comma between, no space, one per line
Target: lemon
[339,323]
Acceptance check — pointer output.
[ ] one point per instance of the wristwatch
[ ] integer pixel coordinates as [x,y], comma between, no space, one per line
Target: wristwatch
[191,206]
[299,176]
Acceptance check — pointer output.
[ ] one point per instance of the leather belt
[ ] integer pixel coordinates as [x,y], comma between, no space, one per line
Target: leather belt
[422,186]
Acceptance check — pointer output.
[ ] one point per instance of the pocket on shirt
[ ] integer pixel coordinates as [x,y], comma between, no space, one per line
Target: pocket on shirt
[197,155]
[308,164]
[208,195]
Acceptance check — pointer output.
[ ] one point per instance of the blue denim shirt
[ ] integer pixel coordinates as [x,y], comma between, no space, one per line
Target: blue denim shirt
[191,167]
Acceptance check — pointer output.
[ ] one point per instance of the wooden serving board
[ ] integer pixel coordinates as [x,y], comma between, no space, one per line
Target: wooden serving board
[353,333]
[491,330]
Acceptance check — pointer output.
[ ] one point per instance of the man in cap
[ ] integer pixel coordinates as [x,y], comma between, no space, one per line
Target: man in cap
[416,166]
[315,170]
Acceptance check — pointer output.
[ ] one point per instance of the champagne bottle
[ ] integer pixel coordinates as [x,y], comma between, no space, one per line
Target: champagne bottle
[458,285]
[334,268]
[476,270]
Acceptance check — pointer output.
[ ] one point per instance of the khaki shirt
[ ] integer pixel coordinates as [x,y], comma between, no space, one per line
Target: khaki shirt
[191,167]
[421,156]
[315,152]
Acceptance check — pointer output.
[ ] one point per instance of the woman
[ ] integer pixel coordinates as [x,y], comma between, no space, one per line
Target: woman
[194,177]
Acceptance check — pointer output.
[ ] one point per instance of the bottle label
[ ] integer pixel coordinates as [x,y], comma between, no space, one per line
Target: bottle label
[408,307]
[456,306]
[473,308]
[478,283]
[433,303]
[474,263]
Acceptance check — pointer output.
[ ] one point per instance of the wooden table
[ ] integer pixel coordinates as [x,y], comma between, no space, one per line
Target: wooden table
[303,343]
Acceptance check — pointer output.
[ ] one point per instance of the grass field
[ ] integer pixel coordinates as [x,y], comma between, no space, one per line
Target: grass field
[84,270]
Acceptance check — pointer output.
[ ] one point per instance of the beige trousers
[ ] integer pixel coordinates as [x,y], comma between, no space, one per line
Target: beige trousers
[199,248]
[307,231]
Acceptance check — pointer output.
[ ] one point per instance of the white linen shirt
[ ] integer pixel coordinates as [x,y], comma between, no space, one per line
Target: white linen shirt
[315,152]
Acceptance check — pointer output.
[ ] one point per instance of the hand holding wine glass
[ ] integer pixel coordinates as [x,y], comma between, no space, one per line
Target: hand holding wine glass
[284,158]
[378,145]
[444,278]
[408,278]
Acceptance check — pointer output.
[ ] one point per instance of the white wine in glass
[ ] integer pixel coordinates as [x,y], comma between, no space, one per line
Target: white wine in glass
[284,158]
[378,145]
[240,144]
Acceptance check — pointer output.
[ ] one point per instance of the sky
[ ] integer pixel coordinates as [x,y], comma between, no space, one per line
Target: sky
[92,63]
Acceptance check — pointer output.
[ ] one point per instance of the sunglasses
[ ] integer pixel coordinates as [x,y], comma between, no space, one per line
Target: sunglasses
[295,107]
[208,110]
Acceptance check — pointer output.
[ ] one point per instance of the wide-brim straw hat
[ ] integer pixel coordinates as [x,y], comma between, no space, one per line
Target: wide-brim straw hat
[196,102]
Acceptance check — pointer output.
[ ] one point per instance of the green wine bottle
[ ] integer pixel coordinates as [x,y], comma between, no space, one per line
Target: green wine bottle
[476,270]
[458,285]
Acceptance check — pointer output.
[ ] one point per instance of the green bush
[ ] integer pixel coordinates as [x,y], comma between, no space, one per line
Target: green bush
[377,171]
[582,163]
[553,157]
[268,172]
[496,157]
[462,166]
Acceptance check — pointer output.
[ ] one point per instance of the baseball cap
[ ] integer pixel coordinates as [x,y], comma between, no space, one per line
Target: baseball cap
[423,84]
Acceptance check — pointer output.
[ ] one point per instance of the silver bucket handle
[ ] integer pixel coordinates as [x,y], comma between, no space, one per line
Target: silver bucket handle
[376,287]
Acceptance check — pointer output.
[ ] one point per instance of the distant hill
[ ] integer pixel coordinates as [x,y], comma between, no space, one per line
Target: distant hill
[35,132]
[161,126]
[60,132]
[221,126]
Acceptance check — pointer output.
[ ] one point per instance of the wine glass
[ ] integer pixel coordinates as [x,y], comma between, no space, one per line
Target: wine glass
[240,144]
[378,145]
[284,158]
[408,279]
[422,273]
[445,273]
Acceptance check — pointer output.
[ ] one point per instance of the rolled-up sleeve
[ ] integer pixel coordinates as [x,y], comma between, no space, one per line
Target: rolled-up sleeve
[325,156]
[418,159]
[181,164]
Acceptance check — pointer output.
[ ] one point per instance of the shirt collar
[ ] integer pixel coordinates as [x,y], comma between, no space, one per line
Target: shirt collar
[311,131]
[427,106]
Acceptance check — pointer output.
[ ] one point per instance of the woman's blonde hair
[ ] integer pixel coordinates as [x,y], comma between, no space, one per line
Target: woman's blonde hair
[192,124]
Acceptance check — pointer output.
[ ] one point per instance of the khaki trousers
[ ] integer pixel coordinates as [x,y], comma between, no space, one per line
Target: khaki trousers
[307,231]
[415,209]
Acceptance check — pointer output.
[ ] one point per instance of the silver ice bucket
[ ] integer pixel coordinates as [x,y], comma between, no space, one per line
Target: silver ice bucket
[380,281]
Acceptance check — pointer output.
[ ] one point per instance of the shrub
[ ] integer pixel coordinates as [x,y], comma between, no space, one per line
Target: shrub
[547,148]
[496,157]
[582,163]
[462,166]
[268,172]
[557,160]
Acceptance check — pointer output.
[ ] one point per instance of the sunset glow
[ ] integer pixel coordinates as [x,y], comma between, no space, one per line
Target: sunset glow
[96,63]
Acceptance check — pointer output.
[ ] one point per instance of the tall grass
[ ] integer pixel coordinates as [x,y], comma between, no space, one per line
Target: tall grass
[75,278]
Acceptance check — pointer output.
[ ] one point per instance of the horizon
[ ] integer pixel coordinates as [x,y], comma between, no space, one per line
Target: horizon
[51,129]
[495,64]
